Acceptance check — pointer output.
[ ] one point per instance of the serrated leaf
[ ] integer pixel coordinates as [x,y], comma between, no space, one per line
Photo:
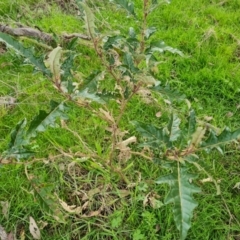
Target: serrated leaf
[132,33]
[112,41]
[67,66]
[155,137]
[53,62]
[85,94]
[166,92]
[89,19]
[47,119]
[149,32]
[89,88]
[25,52]
[173,128]
[191,124]
[18,153]
[47,200]
[18,135]
[128,63]
[181,196]
[214,140]
[161,47]
[127,5]
[91,82]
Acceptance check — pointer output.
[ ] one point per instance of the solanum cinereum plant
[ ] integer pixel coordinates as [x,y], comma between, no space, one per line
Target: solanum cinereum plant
[128,70]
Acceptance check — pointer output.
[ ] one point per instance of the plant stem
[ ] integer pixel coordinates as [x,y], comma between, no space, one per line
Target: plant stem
[144,25]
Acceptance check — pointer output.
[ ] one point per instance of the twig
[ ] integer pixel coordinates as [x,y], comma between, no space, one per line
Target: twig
[36,33]
[27,32]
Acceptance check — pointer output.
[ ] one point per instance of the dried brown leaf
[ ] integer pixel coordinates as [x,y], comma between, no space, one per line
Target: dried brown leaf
[229,114]
[158,114]
[208,118]
[70,209]
[3,233]
[10,236]
[123,193]
[167,101]
[123,145]
[198,136]
[206,180]
[5,208]
[107,116]
[7,100]
[33,228]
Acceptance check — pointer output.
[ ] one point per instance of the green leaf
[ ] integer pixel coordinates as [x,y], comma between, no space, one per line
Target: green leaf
[166,92]
[214,140]
[128,63]
[191,124]
[91,82]
[89,19]
[18,153]
[155,137]
[161,47]
[181,196]
[47,119]
[25,52]
[149,32]
[18,142]
[132,33]
[18,135]
[113,41]
[67,66]
[89,88]
[85,94]
[47,200]
[128,6]
[173,128]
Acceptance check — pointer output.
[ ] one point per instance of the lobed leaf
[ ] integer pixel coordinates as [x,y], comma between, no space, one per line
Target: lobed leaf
[155,137]
[128,6]
[181,196]
[25,52]
[85,94]
[46,119]
[191,124]
[161,47]
[214,140]
[166,92]
[173,128]
[47,200]
[89,88]
[18,135]
[149,32]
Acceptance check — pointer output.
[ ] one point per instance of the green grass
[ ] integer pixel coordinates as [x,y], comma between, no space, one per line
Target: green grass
[207,33]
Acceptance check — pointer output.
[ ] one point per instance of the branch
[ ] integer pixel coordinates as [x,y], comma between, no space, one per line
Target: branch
[35,33]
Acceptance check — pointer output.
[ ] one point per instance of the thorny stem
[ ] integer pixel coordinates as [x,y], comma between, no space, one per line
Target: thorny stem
[115,127]
[123,102]
[144,25]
